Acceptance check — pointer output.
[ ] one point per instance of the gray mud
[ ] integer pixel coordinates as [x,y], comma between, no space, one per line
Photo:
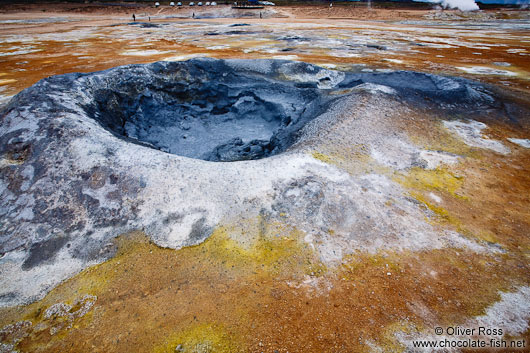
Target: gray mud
[202,109]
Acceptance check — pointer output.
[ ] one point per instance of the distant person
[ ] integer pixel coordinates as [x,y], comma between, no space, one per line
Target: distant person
[149,18]
[134,18]
[260,16]
[193,16]
[330,5]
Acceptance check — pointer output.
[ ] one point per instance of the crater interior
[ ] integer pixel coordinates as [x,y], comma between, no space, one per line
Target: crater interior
[205,110]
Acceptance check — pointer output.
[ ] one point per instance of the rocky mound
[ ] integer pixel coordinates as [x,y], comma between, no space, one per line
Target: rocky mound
[86,157]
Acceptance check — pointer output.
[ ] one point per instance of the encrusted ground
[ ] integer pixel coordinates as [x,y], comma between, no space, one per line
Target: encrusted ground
[402,207]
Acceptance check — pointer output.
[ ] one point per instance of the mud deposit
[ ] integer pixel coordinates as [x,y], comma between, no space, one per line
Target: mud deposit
[206,109]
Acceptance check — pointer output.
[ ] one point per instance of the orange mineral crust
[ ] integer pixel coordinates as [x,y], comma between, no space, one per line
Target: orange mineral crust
[389,217]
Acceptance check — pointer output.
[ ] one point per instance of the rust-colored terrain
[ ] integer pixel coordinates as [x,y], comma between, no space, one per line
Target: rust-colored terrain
[256,284]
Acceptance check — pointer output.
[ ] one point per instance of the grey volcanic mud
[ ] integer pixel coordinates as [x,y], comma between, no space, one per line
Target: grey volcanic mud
[203,109]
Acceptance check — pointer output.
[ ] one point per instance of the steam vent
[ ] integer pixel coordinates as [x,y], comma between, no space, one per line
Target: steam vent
[261,205]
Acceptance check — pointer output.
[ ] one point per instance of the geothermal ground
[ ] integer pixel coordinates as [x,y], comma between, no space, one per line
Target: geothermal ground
[320,179]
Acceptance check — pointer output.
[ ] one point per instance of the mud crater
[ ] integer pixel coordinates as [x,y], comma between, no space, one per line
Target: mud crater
[204,109]
[73,176]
